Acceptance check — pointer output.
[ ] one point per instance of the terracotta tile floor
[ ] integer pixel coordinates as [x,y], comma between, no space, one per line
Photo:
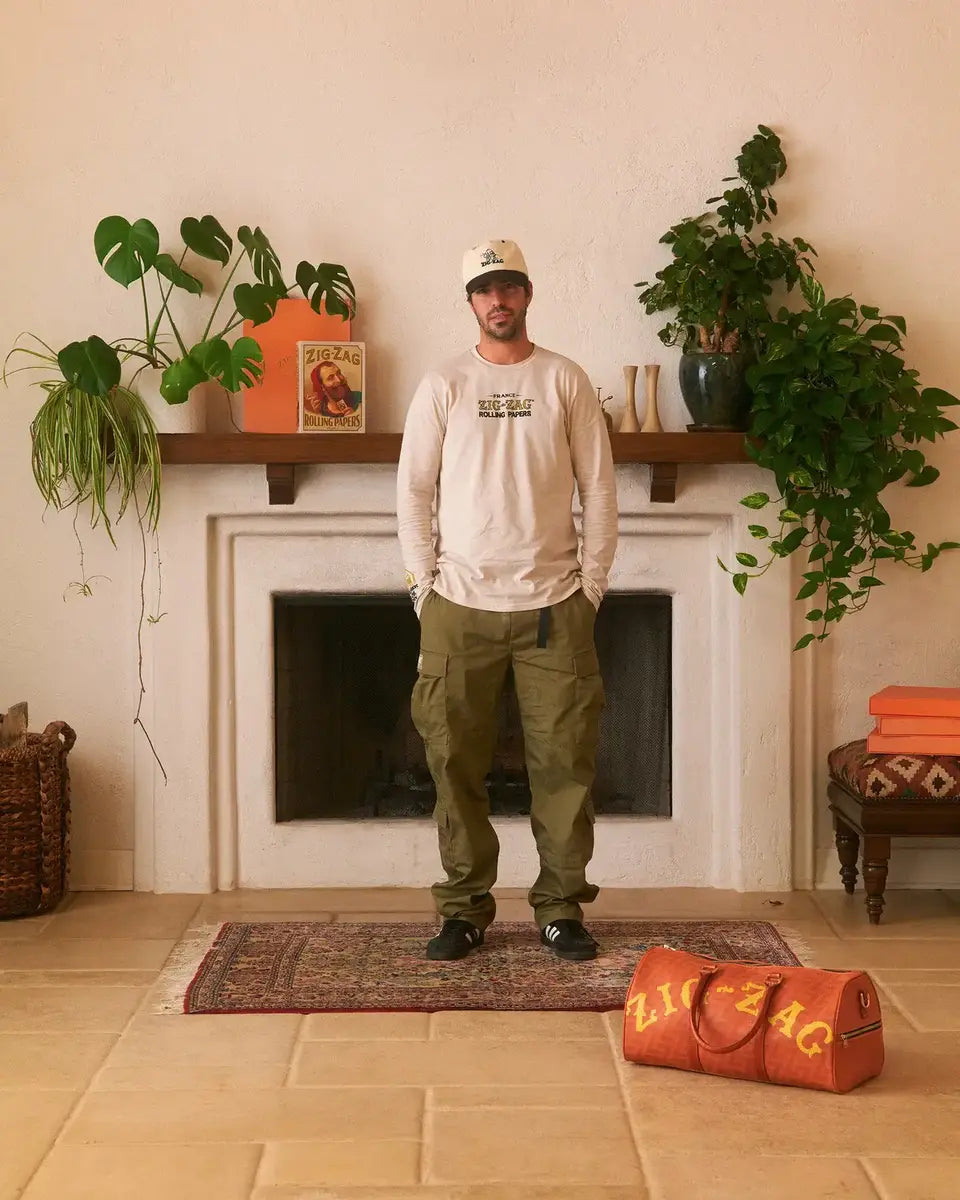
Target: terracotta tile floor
[100,1099]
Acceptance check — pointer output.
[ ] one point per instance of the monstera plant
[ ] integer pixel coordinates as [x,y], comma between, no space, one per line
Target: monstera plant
[130,253]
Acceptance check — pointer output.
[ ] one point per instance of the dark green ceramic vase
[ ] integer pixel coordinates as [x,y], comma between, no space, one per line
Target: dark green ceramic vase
[714,389]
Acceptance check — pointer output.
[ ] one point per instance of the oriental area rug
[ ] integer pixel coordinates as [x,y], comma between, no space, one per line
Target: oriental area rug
[307,967]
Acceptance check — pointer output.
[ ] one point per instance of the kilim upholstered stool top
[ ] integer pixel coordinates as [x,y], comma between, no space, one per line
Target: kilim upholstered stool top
[880,796]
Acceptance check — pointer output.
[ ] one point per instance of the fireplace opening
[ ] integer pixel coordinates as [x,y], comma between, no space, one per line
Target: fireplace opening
[346,746]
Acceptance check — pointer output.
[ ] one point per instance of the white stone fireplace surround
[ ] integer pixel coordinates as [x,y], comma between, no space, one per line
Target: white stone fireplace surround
[209,678]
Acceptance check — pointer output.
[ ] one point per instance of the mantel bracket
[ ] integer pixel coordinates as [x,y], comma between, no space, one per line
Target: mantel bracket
[281,483]
[663,483]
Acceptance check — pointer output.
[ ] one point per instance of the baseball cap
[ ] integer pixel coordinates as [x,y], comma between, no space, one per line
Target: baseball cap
[494,256]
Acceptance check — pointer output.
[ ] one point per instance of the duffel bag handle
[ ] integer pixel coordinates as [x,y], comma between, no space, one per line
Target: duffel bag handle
[772,982]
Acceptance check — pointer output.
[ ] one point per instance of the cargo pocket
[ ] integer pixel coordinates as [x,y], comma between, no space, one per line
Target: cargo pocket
[428,703]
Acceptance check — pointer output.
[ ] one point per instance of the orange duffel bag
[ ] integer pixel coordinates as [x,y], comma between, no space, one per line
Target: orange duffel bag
[792,1025]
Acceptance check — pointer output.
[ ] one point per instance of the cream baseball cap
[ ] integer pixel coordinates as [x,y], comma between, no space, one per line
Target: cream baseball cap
[495,255]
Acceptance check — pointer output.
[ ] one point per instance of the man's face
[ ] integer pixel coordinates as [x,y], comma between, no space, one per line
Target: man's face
[333,381]
[501,309]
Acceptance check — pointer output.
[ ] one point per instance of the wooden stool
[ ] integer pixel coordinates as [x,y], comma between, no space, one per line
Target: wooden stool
[879,796]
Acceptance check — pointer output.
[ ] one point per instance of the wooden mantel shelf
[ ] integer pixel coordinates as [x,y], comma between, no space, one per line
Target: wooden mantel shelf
[282,453]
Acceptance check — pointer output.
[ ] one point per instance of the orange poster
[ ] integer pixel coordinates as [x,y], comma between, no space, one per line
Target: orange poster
[272,405]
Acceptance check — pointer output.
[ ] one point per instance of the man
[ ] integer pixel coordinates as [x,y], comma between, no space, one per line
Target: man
[332,394]
[499,435]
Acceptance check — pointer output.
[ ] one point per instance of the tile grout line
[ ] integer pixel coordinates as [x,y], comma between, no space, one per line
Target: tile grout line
[900,1009]
[878,1188]
[255,1178]
[427,1113]
[295,1052]
[618,1067]
[426,1134]
[81,1095]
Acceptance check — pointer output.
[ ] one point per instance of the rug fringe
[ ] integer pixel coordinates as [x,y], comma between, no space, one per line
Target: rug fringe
[797,943]
[167,995]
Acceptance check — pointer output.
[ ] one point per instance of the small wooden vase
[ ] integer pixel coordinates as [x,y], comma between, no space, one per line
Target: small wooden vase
[629,422]
[651,418]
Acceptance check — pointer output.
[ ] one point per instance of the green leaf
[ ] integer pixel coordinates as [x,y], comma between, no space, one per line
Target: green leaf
[746,560]
[899,322]
[180,378]
[801,478]
[804,641]
[812,292]
[882,333]
[208,238]
[740,583]
[794,539]
[759,531]
[927,476]
[829,404]
[938,397]
[266,265]
[755,500]
[950,545]
[871,313]
[328,286]
[808,590]
[815,614]
[236,366]
[169,268]
[92,366]
[255,302]
[126,251]
[787,514]
[820,550]
[869,581]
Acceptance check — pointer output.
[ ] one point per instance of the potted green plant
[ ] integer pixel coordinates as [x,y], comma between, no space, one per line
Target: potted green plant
[837,417]
[719,282]
[94,439]
[169,368]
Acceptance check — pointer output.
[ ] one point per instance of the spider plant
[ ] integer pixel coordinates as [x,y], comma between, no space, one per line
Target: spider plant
[96,446]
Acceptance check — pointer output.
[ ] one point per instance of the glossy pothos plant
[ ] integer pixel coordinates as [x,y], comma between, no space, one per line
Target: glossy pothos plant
[837,417]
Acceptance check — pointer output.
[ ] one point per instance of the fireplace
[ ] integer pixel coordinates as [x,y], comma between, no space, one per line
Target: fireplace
[345,744]
[722,816]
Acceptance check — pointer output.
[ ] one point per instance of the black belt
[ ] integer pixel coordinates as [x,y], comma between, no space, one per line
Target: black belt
[543,628]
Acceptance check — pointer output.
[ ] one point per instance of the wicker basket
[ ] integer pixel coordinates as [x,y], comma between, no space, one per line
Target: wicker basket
[34,821]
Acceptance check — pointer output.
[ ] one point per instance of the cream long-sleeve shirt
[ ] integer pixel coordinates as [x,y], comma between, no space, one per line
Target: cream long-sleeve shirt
[499,449]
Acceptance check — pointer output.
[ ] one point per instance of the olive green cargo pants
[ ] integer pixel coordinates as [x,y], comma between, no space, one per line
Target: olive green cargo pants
[464,656]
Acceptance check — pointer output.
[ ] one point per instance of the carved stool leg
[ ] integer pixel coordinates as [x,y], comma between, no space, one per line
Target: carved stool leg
[876,855]
[848,848]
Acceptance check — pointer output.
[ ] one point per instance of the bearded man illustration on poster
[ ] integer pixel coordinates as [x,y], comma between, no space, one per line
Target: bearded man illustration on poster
[331,387]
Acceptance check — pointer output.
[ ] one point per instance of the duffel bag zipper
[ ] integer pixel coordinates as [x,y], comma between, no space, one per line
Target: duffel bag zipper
[855,1033]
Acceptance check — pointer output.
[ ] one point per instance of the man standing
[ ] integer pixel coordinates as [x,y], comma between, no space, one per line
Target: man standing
[499,435]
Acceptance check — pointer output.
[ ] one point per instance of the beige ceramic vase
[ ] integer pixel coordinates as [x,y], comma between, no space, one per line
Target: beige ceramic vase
[651,418]
[629,422]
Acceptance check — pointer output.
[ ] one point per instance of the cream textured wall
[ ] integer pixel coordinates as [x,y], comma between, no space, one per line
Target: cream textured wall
[389,135]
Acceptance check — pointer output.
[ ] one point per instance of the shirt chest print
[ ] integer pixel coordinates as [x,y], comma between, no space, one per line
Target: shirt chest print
[504,405]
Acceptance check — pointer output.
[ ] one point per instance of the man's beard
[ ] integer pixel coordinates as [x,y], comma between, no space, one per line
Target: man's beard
[509,331]
[338,391]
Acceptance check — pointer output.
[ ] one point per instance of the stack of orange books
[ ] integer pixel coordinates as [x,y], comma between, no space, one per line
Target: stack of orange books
[915,720]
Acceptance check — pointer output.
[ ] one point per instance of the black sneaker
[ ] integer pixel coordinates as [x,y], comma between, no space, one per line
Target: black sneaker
[568,939]
[455,940]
